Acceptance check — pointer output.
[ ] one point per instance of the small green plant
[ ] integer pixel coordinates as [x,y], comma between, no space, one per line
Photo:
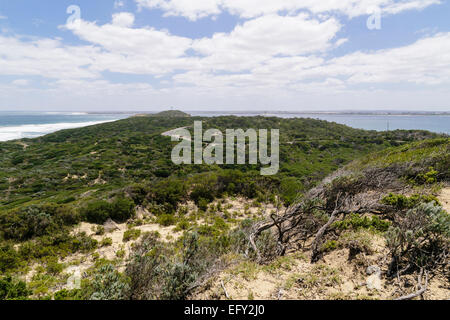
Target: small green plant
[166,220]
[203,204]
[65,294]
[99,230]
[132,234]
[428,177]
[356,221]
[401,202]
[320,276]
[53,267]
[106,242]
[108,284]
[182,225]
[330,245]
[12,289]
[120,253]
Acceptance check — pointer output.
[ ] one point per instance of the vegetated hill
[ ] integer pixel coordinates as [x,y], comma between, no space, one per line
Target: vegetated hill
[63,166]
[172,114]
[122,171]
[368,231]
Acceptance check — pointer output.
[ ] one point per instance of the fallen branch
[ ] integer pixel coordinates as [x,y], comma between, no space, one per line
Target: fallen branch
[224,290]
[421,290]
[321,232]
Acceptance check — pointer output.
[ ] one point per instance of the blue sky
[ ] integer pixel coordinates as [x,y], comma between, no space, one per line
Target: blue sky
[289,55]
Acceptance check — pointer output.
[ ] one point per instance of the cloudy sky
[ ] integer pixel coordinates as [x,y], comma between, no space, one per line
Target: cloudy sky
[283,55]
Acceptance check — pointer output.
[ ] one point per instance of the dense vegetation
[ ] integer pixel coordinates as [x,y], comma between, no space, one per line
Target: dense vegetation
[79,164]
[345,209]
[93,174]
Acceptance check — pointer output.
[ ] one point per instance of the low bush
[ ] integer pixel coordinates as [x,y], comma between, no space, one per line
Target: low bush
[53,267]
[108,284]
[65,294]
[356,221]
[159,271]
[12,289]
[166,220]
[401,202]
[99,211]
[10,259]
[132,234]
[106,242]
[420,239]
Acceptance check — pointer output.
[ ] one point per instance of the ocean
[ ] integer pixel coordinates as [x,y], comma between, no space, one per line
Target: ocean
[18,125]
[434,123]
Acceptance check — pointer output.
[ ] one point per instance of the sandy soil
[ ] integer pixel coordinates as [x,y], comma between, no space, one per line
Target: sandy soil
[444,199]
[295,278]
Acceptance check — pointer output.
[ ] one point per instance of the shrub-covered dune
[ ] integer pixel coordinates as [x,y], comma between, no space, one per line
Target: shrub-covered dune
[107,200]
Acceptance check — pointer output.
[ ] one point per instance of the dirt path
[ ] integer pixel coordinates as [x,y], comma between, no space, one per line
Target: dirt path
[444,199]
[175,133]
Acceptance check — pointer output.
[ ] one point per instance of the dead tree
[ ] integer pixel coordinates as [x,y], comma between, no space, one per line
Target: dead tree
[300,223]
[421,290]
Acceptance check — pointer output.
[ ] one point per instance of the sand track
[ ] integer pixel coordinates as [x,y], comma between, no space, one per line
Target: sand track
[444,199]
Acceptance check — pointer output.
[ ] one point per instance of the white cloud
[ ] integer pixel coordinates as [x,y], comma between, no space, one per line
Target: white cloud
[257,40]
[3,17]
[21,82]
[187,8]
[253,8]
[426,61]
[123,19]
[45,57]
[268,59]
[134,50]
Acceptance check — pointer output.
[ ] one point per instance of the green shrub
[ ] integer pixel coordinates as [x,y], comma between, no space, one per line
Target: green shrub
[203,204]
[25,224]
[11,289]
[53,267]
[82,243]
[99,230]
[97,211]
[166,220]
[330,245]
[421,238]
[122,209]
[161,271]
[108,284]
[183,225]
[356,221]
[132,234]
[106,242]
[429,177]
[169,194]
[9,258]
[401,202]
[65,294]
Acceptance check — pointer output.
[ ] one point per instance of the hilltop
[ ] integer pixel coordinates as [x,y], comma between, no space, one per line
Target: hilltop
[166,114]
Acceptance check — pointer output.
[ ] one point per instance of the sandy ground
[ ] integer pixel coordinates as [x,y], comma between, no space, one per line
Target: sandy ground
[175,134]
[295,278]
[444,199]
[239,207]
[109,252]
